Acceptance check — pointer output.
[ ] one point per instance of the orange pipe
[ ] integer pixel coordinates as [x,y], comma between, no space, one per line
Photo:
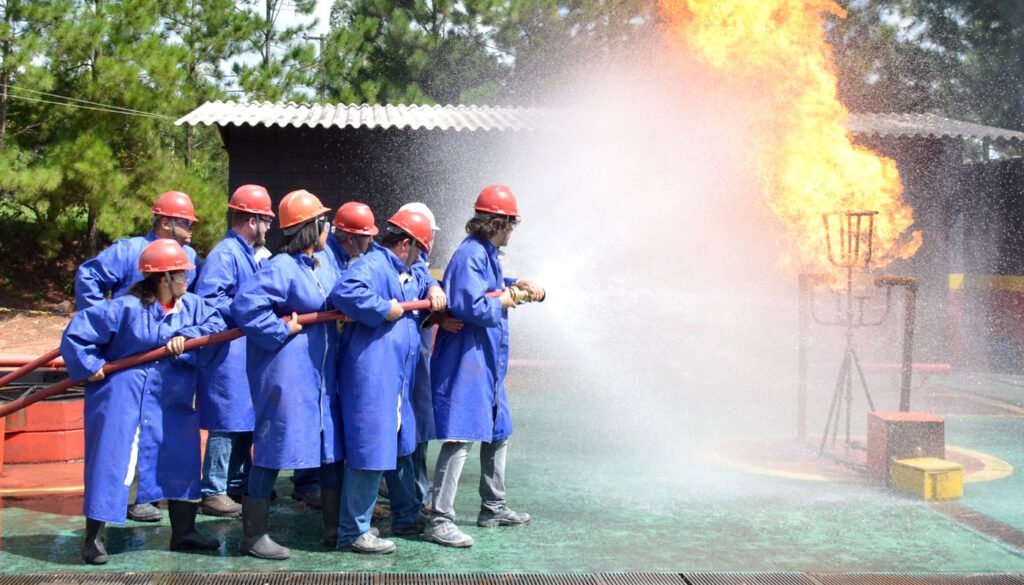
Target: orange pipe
[17,361]
[49,357]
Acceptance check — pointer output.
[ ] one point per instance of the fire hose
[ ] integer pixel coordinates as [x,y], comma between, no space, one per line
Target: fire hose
[190,344]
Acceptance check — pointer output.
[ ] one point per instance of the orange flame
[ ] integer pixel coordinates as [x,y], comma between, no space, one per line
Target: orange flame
[775,52]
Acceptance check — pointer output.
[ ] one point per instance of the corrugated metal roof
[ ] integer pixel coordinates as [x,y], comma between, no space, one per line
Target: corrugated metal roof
[460,118]
[456,118]
[924,126]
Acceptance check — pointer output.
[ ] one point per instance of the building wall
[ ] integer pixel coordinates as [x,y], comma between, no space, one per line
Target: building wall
[383,168]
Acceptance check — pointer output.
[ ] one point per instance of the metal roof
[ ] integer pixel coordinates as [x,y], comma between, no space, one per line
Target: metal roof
[460,118]
[456,118]
[924,126]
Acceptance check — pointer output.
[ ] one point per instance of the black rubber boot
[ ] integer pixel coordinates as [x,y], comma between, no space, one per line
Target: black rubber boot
[330,505]
[94,550]
[184,535]
[255,540]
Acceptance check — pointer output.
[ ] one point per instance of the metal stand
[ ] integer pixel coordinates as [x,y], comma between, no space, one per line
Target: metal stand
[851,252]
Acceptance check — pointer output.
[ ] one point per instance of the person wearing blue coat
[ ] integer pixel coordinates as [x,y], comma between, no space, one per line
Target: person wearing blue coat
[290,367]
[420,394]
[354,229]
[225,405]
[141,419]
[376,366]
[467,370]
[114,270]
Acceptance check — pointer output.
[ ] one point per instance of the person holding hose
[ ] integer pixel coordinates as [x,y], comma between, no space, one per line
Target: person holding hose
[290,367]
[114,271]
[142,418]
[468,368]
[225,405]
[420,393]
[376,367]
[354,230]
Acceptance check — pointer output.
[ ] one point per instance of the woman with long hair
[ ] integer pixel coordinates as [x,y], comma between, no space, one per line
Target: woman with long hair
[142,417]
[290,367]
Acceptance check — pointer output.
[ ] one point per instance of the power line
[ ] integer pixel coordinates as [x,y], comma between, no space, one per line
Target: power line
[97,106]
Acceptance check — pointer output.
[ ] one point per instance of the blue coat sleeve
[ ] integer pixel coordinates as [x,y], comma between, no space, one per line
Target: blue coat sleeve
[99,275]
[217,283]
[205,321]
[354,296]
[467,293]
[83,341]
[253,308]
[424,278]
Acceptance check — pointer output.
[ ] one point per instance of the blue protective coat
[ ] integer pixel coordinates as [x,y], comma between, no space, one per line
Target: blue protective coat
[377,360]
[420,396]
[153,399]
[467,369]
[333,256]
[115,270]
[224,400]
[291,377]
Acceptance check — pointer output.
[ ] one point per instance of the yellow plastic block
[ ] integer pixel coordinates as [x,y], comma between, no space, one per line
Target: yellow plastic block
[928,478]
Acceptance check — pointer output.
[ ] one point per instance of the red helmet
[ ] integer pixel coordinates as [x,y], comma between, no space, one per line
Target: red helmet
[416,225]
[497,199]
[356,218]
[175,204]
[164,255]
[252,199]
[299,207]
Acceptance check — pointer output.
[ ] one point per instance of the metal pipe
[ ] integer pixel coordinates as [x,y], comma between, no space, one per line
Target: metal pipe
[49,357]
[19,360]
[805,311]
[909,317]
[162,352]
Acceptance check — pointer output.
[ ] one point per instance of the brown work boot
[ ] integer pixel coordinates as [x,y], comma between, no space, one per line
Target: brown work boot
[380,512]
[220,505]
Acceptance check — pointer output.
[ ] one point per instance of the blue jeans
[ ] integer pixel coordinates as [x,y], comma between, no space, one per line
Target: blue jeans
[419,462]
[359,496]
[227,462]
[305,481]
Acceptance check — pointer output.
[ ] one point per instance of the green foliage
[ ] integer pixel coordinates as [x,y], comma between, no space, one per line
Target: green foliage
[286,61]
[93,164]
[472,51]
[961,58]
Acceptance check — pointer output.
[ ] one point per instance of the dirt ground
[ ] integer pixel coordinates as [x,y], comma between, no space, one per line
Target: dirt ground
[29,333]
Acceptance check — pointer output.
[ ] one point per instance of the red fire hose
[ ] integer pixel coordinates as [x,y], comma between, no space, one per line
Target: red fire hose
[161,352]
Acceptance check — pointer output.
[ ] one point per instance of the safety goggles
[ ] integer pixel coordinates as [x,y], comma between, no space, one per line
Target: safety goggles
[178,277]
[184,224]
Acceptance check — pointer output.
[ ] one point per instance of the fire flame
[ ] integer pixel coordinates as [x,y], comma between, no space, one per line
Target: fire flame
[776,54]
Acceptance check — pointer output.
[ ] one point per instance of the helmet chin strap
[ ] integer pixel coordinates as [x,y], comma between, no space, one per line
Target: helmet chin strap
[174,231]
[170,284]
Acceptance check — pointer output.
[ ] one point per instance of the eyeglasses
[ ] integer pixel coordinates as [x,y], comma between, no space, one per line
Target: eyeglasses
[179,277]
[513,221]
[266,220]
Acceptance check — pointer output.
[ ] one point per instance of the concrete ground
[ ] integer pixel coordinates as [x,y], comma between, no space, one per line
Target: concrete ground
[610,494]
